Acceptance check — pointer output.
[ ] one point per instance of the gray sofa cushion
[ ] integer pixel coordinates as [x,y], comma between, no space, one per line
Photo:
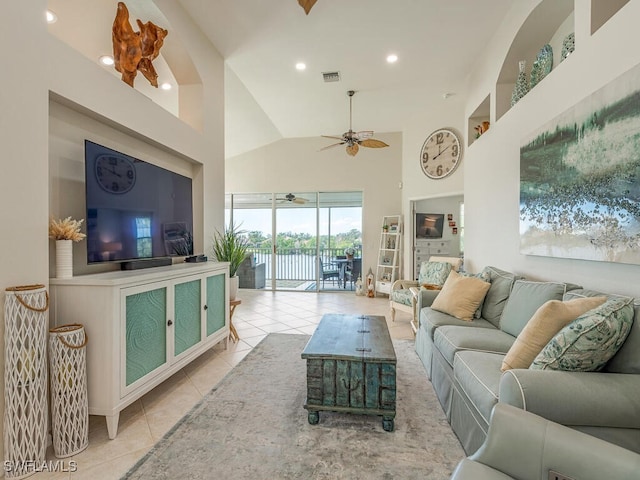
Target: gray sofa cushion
[450,339]
[478,374]
[496,298]
[627,360]
[526,297]
[431,319]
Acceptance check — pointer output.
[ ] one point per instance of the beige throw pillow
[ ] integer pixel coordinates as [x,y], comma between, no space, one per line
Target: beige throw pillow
[548,320]
[460,296]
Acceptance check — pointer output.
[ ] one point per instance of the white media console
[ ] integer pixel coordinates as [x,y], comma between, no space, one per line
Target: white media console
[142,326]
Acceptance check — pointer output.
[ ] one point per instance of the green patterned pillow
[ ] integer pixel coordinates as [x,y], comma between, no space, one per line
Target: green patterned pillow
[485,277]
[403,296]
[434,273]
[590,341]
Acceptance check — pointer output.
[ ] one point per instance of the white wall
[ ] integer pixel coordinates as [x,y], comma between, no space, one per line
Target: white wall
[438,113]
[23,136]
[90,103]
[491,170]
[296,164]
[42,63]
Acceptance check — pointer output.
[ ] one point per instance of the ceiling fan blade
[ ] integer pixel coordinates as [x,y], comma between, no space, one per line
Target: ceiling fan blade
[334,137]
[364,134]
[300,201]
[352,149]
[331,146]
[307,5]
[373,143]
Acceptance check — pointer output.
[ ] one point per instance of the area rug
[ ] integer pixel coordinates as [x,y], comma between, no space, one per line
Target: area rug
[252,425]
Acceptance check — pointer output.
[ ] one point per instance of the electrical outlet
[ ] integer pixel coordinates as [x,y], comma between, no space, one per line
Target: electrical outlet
[558,476]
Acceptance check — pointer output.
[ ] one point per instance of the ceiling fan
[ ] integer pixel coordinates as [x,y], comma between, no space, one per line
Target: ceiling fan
[290,197]
[354,139]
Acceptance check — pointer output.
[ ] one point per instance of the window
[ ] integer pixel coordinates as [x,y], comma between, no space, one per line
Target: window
[143,236]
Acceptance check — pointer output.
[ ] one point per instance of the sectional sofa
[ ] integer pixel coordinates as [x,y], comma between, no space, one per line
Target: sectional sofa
[525,446]
[464,359]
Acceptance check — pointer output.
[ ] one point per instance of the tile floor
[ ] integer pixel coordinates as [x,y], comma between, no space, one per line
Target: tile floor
[145,421]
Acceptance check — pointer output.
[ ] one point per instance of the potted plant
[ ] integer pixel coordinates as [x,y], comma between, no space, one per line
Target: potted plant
[230,246]
[349,252]
[64,232]
[385,228]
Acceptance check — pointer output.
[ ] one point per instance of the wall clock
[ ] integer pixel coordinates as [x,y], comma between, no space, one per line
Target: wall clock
[115,173]
[441,153]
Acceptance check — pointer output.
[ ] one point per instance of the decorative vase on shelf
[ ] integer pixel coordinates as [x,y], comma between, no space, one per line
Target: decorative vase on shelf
[522,86]
[64,258]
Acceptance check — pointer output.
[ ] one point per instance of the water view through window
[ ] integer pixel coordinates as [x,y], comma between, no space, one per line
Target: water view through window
[314,234]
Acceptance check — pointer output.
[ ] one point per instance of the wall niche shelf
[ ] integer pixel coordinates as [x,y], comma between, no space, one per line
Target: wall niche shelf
[542,24]
[480,114]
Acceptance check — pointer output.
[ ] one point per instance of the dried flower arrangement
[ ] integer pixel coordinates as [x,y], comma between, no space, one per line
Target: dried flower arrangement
[66,229]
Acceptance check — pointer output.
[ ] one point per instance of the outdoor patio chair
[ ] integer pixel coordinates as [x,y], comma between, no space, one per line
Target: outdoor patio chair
[328,273]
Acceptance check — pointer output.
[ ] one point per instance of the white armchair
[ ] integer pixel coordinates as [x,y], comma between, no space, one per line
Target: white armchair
[433,274]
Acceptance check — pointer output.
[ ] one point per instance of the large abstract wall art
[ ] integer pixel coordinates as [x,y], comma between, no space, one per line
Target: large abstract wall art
[580,179]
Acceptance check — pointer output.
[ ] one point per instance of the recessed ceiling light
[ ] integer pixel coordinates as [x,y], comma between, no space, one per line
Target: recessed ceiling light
[51,17]
[106,60]
[392,58]
[165,86]
[300,66]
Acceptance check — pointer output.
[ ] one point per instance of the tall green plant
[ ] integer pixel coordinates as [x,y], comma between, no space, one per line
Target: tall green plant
[230,246]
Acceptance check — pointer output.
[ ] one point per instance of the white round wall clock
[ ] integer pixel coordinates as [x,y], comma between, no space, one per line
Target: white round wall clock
[441,154]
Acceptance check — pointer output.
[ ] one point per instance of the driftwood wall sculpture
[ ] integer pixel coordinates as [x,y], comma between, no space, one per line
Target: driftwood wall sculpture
[133,51]
[307,5]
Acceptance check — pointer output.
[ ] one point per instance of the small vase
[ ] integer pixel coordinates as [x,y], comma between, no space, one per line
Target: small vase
[234,282]
[521,87]
[64,258]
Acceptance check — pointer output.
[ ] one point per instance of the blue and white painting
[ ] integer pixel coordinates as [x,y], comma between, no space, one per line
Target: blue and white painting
[580,179]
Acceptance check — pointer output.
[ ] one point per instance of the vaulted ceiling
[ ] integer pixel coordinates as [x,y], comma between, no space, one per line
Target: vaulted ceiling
[437,43]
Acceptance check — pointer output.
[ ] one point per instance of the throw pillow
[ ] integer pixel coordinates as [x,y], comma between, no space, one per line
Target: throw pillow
[501,283]
[589,342]
[548,320]
[525,298]
[434,273]
[460,296]
[485,277]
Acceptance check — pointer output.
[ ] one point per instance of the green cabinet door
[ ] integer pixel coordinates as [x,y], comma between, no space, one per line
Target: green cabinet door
[187,315]
[146,332]
[216,307]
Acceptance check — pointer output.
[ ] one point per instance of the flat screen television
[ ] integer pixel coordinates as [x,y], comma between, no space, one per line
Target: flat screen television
[135,210]
[429,225]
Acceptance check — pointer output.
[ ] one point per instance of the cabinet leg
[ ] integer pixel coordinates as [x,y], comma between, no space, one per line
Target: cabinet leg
[314,417]
[112,425]
[387,424]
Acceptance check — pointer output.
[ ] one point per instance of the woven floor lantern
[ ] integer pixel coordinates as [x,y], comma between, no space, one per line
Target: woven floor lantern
[25,379]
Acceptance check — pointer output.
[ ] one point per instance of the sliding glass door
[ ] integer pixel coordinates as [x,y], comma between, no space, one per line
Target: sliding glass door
[307,241]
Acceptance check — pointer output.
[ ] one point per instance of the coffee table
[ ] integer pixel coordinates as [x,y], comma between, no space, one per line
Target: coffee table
[351,367]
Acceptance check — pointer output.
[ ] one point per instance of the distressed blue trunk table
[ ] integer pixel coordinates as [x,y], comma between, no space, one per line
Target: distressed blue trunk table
[351,367]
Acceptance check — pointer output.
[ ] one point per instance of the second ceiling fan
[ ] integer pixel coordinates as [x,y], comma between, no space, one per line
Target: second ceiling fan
[355,139]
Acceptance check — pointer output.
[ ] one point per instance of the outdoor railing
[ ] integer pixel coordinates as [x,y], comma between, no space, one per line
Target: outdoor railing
[299,264]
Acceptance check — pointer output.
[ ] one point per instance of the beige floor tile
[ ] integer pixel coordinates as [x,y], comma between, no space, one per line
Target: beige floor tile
[143,422]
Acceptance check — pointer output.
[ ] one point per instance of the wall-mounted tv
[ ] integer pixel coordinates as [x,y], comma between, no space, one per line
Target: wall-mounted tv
[429,225]
[135,210]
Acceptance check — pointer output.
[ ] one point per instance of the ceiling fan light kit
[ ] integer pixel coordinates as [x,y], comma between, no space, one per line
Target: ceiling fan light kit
[353,140]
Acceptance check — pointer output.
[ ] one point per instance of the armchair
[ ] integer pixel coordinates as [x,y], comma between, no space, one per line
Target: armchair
[404,293]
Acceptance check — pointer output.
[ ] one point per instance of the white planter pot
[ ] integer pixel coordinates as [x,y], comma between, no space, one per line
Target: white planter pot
[64,258]
[233,287]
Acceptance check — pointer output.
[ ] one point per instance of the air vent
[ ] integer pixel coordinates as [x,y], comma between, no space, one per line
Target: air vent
[331,76]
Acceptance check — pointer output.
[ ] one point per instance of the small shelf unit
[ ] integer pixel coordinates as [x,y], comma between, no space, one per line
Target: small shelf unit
[389,254]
